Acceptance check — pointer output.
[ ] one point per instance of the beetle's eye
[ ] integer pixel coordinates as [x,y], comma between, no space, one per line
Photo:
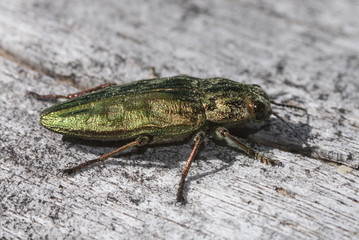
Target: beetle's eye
[259,110]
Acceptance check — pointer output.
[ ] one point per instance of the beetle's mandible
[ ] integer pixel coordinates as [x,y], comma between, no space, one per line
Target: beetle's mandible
[159,110]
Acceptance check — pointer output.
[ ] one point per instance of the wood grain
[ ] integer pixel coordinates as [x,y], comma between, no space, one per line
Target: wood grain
[303,54]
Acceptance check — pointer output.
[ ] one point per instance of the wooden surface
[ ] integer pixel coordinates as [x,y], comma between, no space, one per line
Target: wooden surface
[305,54]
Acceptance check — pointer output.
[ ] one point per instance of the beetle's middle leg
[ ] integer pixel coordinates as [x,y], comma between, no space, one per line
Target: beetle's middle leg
[198,139]
[140,141]
[50,97]
[222,133]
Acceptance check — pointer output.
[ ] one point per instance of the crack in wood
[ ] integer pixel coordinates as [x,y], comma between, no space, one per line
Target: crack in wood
[70,79]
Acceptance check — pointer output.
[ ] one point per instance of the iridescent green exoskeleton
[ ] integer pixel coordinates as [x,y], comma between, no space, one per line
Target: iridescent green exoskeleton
[159,110]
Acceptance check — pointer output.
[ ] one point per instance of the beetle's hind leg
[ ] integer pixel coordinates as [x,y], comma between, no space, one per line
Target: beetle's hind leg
[198,139]
[51,97]
[140,141]
[222,133]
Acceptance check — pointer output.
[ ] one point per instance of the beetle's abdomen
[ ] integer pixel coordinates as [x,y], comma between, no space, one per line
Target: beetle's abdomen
[163,114]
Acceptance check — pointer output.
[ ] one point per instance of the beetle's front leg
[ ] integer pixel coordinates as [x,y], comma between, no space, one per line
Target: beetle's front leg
[198,139]
[140,141]
[51,97]
[222,133]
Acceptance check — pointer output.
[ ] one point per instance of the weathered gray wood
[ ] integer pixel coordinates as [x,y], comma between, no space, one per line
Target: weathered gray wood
[304,54]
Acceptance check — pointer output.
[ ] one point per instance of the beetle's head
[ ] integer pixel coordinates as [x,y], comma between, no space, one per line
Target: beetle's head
[231,103]
[258,103]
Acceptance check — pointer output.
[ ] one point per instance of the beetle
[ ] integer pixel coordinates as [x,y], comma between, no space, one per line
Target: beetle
[160,110]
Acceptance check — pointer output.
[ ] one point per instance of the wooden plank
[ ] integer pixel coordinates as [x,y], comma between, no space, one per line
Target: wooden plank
[304,55]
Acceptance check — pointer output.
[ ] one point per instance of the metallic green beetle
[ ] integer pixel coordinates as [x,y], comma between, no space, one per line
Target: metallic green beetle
[159,110]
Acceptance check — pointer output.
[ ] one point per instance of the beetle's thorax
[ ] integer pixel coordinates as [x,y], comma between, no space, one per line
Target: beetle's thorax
[232,103]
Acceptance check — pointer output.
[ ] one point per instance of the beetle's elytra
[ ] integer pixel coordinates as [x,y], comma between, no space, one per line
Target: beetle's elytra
[157,111]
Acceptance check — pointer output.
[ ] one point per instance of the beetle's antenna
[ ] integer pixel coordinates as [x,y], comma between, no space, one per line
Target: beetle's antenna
[288,125]
[289,106]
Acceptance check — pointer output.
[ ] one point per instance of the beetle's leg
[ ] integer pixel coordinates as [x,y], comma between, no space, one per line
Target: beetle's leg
[51,97]
[198,138]
[140,141]
[222,133]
